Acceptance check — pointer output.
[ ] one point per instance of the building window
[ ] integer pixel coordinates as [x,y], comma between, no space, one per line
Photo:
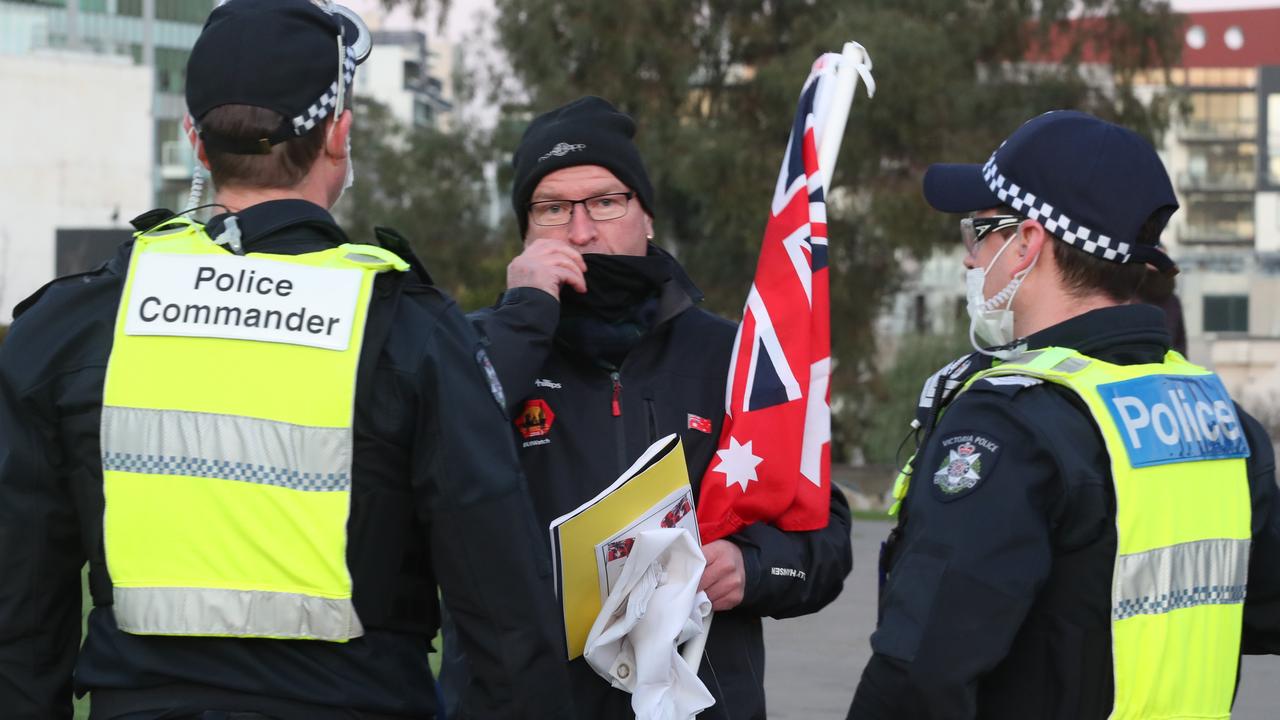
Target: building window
[1226,313]
[1220,166]
[412,74]
[1218,217]
[171,70]
[188,11]
[1221,115]
[1216,77]
[1273,139]
[423,114]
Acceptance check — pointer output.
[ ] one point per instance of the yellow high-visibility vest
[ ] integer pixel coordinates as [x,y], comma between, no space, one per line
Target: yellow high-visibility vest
[227,437]
[1183,516]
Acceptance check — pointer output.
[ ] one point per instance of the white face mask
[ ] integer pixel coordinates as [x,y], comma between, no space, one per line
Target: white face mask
[991,319]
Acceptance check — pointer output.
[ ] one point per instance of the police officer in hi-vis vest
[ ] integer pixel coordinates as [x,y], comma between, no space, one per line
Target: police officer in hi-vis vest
[1088,528]
[268,441]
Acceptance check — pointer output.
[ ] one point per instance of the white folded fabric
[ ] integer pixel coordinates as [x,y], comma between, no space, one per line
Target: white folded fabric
[655,607]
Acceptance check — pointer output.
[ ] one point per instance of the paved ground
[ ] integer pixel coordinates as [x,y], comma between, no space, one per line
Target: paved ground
[814,662]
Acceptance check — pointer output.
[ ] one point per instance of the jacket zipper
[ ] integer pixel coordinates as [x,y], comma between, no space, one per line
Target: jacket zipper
[617,393]
[619,427]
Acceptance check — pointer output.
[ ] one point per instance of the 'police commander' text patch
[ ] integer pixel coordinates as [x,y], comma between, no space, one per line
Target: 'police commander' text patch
[967,459]
[243,298]
[1175,418]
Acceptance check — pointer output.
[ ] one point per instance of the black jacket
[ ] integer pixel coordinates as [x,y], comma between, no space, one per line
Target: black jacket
[998,602]
[675,373]
[437,497]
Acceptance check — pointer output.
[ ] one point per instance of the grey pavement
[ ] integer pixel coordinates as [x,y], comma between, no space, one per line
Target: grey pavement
[814,662]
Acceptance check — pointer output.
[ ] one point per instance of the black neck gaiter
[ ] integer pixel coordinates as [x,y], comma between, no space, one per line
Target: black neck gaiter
[616,284]
[618,308]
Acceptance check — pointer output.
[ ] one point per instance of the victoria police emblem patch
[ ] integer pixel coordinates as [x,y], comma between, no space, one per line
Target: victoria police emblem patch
[967,458]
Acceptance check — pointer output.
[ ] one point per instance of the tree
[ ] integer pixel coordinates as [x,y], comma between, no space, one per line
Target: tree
[429,185]
[713,85]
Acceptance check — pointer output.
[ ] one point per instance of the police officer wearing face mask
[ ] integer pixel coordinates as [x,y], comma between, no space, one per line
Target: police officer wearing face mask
[1089,527]
[269,443]
[603,350]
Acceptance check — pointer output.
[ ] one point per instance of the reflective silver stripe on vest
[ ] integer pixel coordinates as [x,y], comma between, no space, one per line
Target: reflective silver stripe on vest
[1204,572]
[1072,365]
[228,447]
[234,613]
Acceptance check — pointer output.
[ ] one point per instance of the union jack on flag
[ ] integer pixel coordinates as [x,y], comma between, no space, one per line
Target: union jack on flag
[774,461]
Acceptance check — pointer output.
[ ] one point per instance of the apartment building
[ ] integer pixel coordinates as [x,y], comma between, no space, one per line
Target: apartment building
[1223,154]
[1224,157]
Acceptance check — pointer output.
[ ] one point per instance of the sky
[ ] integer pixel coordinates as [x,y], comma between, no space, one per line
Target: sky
[460,22]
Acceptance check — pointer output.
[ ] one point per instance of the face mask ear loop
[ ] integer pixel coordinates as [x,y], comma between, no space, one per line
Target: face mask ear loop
[1016,284]
[1005,295]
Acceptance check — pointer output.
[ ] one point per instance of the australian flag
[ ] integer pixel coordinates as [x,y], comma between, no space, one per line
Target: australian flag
[774,460]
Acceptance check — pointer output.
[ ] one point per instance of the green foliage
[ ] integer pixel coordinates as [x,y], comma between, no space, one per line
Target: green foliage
[713,86]
[429,185]
[898,391]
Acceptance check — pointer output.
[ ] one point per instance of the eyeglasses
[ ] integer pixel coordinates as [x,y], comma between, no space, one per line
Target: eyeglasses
[974,230]
[609,206]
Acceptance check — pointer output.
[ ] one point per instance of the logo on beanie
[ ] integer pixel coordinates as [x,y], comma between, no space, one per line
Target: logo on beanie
[562,149]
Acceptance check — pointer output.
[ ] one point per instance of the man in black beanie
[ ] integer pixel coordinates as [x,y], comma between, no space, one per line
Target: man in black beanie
[602,350]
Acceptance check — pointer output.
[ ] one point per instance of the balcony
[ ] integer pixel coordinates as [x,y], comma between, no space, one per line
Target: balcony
[1235,130]
[1220,182]
[176,160]
[1225,234]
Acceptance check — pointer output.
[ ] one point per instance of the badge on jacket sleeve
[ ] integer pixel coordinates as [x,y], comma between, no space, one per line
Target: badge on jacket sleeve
[491,376]
[967,458]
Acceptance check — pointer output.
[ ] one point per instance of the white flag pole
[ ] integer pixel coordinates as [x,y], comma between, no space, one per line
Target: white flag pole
[854,63]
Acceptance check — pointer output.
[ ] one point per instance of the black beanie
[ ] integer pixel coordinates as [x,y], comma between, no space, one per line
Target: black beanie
[587,131]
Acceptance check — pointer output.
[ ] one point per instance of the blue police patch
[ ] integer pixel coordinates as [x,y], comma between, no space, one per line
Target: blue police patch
[1175,418]
[967,458]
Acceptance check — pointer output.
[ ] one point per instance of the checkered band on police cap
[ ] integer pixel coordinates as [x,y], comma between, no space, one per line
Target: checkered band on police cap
[1026,203]
[320,109]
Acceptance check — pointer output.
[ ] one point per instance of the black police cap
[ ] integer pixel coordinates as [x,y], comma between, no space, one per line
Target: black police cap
[1091,183]
[282,55]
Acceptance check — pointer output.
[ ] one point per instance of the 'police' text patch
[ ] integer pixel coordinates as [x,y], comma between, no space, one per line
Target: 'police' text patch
[1175,418]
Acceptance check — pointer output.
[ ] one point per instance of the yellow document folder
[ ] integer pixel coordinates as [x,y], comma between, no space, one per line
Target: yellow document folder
[578,536]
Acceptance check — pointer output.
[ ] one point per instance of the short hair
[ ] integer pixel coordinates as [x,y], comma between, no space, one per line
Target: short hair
[286,165]
[1085,274]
